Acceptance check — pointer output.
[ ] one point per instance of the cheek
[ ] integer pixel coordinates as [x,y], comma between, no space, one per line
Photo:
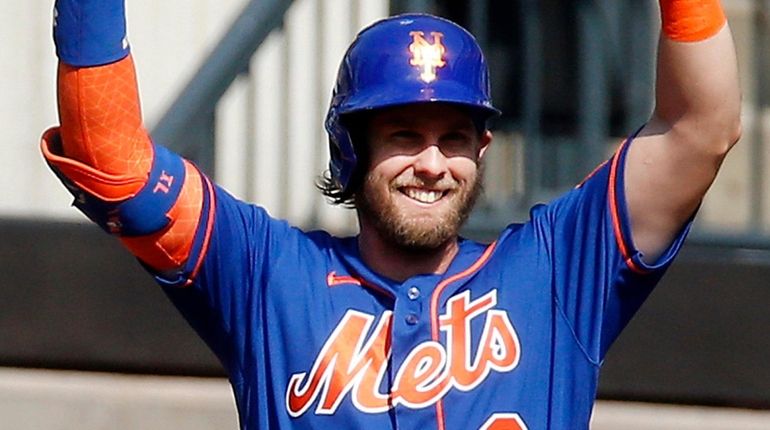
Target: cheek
[389,168]
[463,168]
[377,183]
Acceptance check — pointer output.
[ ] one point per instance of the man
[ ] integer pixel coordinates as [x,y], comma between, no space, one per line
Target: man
[406,325]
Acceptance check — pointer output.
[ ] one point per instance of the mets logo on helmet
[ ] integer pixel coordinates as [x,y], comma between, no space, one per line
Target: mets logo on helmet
[428,57]
[349,362]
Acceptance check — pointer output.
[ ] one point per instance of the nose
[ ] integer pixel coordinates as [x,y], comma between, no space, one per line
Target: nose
[430,162]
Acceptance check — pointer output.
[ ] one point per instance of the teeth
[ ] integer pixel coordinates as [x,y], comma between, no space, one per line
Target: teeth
[423,196]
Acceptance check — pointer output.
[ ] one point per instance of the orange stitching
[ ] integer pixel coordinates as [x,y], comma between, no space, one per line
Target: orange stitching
[434,311]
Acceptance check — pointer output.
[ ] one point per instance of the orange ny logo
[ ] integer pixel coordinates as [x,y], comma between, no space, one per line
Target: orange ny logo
[428,57]
[164,183]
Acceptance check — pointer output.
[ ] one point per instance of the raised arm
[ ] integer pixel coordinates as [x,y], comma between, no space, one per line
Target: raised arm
[148,197]
[695,123]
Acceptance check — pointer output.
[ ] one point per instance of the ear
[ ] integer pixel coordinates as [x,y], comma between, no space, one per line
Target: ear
[486,139]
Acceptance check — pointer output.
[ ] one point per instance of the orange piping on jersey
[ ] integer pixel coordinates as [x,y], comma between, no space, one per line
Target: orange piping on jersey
[434,312]
[443,284]
[591,175]
[615,214]
[209,229]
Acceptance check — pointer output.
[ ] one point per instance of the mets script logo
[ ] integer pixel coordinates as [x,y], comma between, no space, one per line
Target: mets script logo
[349,362]
[428,57]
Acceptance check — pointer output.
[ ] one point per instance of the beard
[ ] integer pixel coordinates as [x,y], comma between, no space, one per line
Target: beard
[416,234]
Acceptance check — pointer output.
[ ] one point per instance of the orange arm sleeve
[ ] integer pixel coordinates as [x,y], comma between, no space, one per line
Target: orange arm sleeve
[691,20]
[102,135]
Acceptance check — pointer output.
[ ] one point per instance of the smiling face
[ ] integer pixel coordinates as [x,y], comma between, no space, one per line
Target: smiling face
[423,176]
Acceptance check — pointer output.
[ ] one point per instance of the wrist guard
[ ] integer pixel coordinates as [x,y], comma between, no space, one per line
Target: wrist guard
[691,20]
[90,32]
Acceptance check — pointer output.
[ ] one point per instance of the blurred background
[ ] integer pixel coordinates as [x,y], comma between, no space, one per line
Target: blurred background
[88,342]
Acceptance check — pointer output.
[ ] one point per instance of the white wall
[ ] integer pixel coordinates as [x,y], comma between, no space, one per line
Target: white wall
[26,105]
[168,38]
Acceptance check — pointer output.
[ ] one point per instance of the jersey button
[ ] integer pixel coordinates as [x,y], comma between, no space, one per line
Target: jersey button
[412,319]
[413,293]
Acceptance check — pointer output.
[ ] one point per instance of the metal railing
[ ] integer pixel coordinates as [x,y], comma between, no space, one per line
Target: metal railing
[188,124]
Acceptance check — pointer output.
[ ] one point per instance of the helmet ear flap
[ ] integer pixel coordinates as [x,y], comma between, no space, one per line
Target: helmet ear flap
[341,150]
[349,155]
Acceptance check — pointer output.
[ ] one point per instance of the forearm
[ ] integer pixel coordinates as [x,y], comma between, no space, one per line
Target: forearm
[100,118]
[148,197]
[696,121]
[98,98]
[697,86]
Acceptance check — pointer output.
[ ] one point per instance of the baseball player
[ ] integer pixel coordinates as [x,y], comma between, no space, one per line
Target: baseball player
[405,325]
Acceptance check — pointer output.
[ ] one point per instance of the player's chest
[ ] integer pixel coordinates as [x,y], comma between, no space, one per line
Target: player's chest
[371,350]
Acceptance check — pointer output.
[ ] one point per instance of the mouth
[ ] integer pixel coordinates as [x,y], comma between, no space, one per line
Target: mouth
[422,195]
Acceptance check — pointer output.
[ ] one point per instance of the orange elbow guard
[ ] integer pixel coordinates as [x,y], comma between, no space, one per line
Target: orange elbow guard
[158,222]
[691,20]
[149,197]
[99,196]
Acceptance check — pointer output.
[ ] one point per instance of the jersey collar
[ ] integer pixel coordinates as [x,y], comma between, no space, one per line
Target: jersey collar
[467,258]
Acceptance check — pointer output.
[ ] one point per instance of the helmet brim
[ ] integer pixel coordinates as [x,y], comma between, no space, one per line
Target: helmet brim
[385,96]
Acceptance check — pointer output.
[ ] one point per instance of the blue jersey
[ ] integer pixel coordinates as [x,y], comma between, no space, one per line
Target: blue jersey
[512,336]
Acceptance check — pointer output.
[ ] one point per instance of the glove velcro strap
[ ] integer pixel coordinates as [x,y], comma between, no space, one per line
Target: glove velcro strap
[131,211]
[147,211]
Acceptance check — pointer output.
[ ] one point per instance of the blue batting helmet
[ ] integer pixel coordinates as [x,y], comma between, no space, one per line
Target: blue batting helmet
[404,59]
